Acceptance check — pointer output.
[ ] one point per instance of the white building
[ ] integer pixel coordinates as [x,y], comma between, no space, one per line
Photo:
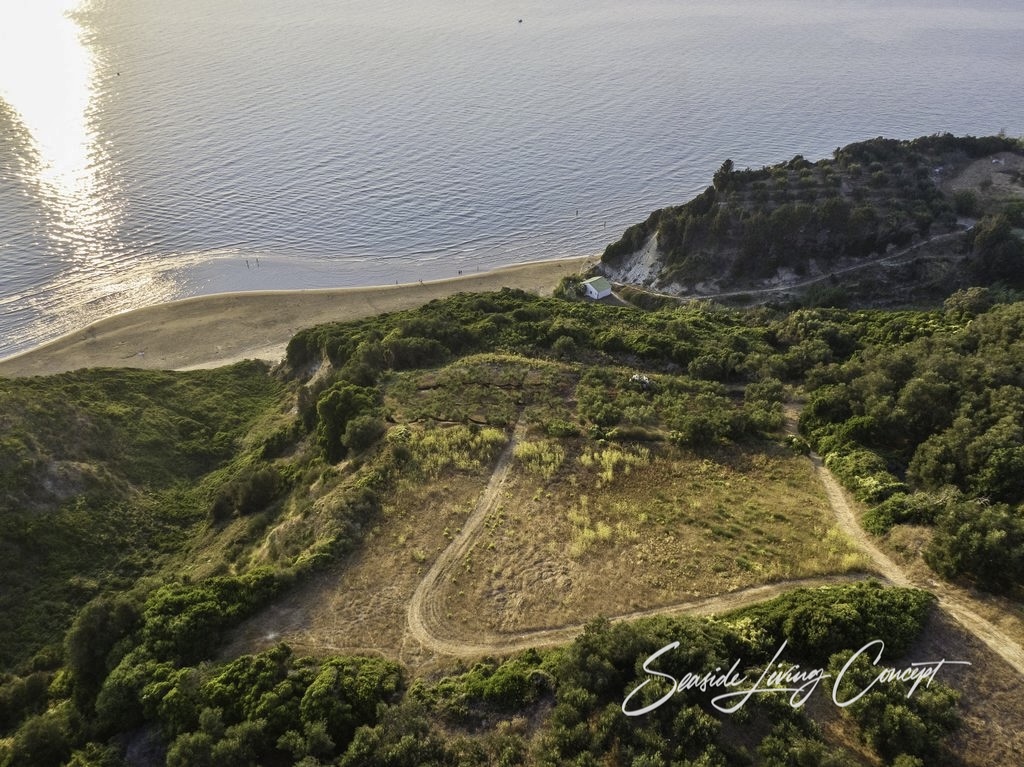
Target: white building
[597,287]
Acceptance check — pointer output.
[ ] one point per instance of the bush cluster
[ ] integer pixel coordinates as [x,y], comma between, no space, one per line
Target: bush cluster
[928,430]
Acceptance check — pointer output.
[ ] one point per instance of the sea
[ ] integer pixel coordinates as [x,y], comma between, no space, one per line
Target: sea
[154,150]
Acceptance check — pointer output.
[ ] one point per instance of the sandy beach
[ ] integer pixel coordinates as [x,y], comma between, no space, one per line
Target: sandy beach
[209,331]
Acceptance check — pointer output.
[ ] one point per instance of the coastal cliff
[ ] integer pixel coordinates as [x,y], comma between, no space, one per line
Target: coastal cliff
[880,222]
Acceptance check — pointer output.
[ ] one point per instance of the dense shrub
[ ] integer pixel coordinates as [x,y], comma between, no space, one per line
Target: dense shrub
[820,622]
[42,741]
[864,473]
[22,697]
[403,353]
[901,508]
[336,407]
[933,404]
[488,687]
[182,622]
[252,489]
[95,644]
[980,540]
[900,727]
[362,431]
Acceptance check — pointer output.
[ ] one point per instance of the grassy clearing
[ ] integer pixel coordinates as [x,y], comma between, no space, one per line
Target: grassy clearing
[642,529]
[592,521]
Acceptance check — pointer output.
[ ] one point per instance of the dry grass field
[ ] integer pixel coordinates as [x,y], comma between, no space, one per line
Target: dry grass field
[616,530]
[578,528]
[361,604]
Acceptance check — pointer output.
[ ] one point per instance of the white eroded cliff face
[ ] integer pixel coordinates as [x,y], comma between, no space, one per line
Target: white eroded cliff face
[640,268]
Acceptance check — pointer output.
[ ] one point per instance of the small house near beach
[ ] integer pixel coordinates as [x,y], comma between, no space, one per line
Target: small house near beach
[597,287]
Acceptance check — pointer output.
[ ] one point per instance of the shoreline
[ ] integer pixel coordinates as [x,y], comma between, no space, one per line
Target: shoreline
[220,329]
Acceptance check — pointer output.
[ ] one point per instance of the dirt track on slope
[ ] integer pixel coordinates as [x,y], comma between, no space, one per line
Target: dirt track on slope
[955,601]
[425,610]
[428,632]
[427,625]
[889,258]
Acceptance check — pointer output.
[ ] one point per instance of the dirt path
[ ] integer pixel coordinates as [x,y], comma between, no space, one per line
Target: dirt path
[848,523]
[427,623]
[427,631]
[425,614]
[955,601]
[461,647]
[428,627]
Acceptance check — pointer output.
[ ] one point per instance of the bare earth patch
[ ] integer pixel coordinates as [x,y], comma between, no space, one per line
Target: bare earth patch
[996,177]
[991,701]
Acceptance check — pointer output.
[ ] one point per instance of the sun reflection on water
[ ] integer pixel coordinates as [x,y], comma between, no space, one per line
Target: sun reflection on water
[48,77]
[52,78]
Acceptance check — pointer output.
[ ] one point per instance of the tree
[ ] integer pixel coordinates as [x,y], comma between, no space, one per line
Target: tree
[252,490]
[193,749]
[362,432]
[41,741]
[564,346]
[21,697]
[969,303]
[998,252]
[965,202]
[985,542]
[90,644]
[925,405]
[722,178]
[346,694]
[339,405]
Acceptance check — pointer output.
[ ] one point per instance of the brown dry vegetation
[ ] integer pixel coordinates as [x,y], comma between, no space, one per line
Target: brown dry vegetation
[663,528]
[666,528]
[361,605]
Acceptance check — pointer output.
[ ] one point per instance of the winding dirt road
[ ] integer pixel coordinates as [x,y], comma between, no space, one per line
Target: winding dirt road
[427,624]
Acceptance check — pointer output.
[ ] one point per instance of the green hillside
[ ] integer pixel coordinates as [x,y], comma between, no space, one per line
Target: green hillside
[145,515]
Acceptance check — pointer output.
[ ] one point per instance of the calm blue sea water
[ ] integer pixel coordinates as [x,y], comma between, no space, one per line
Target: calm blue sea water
[152,150]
